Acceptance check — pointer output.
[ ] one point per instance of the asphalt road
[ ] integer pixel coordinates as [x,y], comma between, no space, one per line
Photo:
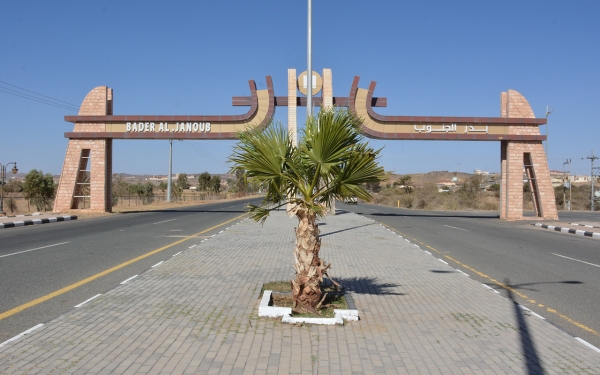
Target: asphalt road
[37,261]
[544,269]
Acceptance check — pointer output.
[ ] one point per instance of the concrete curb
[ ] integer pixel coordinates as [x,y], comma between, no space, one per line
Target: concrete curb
[569,230]
[265,309]
[38,221]
[583,225]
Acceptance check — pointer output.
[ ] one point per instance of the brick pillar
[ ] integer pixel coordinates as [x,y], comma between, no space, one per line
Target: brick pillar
[97,102]
[513,155]
[292,112]
[327,103]
[503,179]
[327,95]
[292,106]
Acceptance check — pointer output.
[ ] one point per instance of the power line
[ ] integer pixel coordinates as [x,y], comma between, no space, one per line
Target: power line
[2,89]
[53,102]
[33,92]
[199,149]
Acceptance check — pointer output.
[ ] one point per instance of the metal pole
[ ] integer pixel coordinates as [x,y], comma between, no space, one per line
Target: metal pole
[548,112]
[570,191]
[309,110]
[592,158]
[592,176]
[170,178]
[565,206]
[2,178]
[2,175]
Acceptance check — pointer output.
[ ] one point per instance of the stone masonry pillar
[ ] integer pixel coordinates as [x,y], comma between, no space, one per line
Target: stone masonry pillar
[518,156]
[327,103]
[98,102]
[292,112]
[292,106]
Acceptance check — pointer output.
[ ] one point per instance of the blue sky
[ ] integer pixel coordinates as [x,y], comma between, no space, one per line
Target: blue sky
[190,57]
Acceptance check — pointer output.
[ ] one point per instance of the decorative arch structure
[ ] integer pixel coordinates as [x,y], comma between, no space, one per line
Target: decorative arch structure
[521,150]
[87,169]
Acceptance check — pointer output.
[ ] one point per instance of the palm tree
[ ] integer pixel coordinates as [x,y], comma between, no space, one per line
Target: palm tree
[332,161]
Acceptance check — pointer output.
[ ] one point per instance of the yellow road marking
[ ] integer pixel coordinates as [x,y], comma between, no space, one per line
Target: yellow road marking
[66,289]
[553,311]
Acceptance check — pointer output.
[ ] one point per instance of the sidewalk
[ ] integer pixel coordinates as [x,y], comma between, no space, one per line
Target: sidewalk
[197,313]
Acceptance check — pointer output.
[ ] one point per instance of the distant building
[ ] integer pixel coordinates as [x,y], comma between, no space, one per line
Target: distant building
[481,173]
[581,178]
[158,178]
[445,185]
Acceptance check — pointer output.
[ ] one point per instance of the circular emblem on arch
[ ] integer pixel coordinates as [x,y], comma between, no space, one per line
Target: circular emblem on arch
[302,83]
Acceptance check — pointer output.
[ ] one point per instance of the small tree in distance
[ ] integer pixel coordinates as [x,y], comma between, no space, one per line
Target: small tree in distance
[204,181]
[182,181]
[39,188]
[215,184]
[405,182]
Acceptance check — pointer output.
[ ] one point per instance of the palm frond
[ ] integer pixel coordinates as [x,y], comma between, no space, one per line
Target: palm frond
[332,161]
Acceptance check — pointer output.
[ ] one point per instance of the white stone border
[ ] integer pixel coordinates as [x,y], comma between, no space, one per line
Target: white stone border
[264,309]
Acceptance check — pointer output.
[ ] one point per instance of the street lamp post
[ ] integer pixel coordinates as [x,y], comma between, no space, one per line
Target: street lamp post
[567,180]
[2,178]
[592,158]
[309,83]
[170,178]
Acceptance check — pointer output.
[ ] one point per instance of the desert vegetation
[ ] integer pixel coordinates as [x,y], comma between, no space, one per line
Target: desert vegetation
[471,192]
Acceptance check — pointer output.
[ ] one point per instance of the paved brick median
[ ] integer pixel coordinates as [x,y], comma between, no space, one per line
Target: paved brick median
[197,313]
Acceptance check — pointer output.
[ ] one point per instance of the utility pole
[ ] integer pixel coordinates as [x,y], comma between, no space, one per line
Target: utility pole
[548,112]
[309,109]
[592,158]
[170,178]
[566,179]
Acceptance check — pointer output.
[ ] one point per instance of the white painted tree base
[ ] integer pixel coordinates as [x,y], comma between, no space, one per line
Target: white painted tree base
[266,309]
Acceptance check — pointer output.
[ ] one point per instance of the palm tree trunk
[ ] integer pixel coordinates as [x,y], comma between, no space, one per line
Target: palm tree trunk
[306,289]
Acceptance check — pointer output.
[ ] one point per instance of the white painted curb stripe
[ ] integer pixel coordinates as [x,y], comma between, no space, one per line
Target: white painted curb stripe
[179,253]
[580,340]
[427,252]
[442,261]
[158,264]
[131,278]
[21,334]
[463,273]
[87,300]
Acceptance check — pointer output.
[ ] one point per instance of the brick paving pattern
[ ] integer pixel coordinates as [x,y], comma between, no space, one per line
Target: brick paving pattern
[197,313]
